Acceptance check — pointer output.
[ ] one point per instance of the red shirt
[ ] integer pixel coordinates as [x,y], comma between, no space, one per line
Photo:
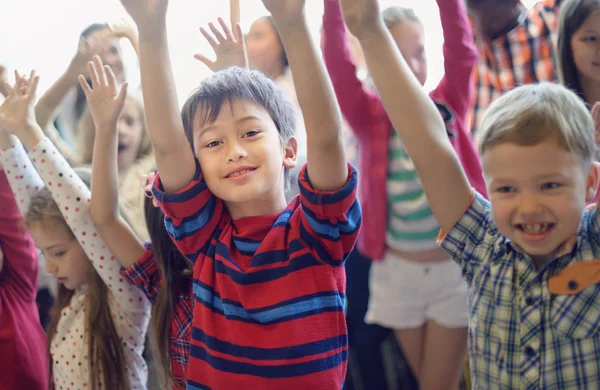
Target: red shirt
[23,352]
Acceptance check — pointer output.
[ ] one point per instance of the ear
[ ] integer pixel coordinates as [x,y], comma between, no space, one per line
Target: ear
[290,153]
[593,180]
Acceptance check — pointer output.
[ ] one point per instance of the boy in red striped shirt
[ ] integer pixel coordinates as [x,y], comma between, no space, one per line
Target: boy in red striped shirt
[269,283]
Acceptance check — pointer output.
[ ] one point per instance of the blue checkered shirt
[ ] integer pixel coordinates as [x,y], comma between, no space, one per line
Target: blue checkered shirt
[520,335]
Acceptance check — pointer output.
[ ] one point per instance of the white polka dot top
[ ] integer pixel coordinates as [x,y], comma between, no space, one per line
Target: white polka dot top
[129,307]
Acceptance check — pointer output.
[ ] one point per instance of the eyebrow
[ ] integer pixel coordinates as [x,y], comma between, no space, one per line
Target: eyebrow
[215,127]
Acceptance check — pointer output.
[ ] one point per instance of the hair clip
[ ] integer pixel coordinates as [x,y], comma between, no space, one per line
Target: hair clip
[147,181]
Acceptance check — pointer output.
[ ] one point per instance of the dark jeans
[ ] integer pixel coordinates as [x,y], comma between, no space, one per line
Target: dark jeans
[376,361]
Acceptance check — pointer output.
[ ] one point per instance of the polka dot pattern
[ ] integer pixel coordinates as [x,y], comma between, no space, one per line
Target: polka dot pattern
[129,306]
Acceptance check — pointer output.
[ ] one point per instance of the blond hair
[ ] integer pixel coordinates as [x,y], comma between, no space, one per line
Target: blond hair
[395,15]
[531,114]
[86,134]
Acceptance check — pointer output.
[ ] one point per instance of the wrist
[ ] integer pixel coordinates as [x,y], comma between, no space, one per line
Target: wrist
[152,31]
[32,136]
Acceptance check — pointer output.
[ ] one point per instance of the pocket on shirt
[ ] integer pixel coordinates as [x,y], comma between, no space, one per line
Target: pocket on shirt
[577,316]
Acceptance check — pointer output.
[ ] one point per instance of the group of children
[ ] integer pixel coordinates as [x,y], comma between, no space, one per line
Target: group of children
[240,287]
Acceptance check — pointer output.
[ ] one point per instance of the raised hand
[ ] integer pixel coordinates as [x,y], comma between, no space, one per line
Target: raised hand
[290,10]
[122,29]
[17,114]
[87,49]
[361,15]
[104,99]
[147,14]
[229,48]
[4,86]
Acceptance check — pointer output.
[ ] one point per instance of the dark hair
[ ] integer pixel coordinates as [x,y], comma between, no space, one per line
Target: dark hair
[573,13]
[176,276]
[238,84]
[107,360]
[284,59]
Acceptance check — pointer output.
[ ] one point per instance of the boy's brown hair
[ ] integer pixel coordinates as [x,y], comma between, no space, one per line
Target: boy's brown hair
[531,114]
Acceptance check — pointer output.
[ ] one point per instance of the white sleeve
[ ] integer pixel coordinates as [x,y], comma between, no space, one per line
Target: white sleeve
[22,176]
[73,199]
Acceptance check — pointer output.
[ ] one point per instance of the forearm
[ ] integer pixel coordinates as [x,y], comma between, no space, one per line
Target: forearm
[46,107]
[174,157]
[104,206]
[319,107]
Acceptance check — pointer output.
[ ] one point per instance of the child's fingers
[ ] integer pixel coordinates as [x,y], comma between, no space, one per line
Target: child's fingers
[217,33]
[100,70]
[33,85]
[204,60]
[93,74]
[239,34]
[211,41]
[226,29]
[84,85]
[123,94]
[110,77]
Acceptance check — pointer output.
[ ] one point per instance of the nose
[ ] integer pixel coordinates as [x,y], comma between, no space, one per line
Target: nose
[50,267]
[236,152]
[530,205]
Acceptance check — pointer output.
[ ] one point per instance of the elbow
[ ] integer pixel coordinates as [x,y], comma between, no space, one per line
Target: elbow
[103,220]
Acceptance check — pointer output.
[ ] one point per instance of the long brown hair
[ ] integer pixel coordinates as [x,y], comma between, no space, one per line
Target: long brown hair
[104,346]
[572,15]
[176,274]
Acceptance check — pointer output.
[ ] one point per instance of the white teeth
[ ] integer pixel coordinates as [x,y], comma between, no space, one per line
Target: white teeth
[535,228]
[234,174]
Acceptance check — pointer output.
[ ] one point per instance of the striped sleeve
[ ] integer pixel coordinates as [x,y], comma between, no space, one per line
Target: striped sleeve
[144,274]
[191,216]
[331,220]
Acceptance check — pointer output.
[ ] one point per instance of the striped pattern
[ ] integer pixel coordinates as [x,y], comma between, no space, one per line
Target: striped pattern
[411,224]
[269,290]
[525,55]
[520,335]
[145,275]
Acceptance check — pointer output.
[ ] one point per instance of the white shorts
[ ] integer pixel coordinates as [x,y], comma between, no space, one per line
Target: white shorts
[405,294]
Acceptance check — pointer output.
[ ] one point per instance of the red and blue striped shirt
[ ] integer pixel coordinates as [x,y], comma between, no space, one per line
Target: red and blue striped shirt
[269,290]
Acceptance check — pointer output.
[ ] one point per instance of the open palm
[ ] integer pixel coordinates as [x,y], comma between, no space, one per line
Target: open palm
[104,99]
[17,111]
[229,48]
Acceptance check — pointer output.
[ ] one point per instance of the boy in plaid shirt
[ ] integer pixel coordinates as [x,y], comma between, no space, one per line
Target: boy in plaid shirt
[528,255]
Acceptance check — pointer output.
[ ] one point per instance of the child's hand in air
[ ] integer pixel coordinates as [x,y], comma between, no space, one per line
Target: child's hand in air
[86,50]
[17,113]
[104,98]
[4,86]
[361,16]
[147,14]
[290,10]
[122,29]
[230,49]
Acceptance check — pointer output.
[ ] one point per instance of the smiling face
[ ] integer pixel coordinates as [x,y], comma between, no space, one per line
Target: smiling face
[538,194]
[585,45]
[243,158]
[65,258]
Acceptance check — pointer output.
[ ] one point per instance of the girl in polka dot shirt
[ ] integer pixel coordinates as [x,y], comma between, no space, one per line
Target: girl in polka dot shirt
[97,339]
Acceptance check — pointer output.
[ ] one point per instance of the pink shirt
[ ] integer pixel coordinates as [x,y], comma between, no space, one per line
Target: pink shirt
[366,115]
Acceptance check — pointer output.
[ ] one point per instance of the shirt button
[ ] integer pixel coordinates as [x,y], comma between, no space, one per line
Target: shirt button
[529,301]
[529,351]
[572,285]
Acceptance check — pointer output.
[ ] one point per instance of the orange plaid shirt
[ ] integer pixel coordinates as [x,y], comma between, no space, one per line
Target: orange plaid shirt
[525,55]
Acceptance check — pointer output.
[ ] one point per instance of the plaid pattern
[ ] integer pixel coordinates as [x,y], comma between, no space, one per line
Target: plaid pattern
[525,55]
[145,275]
[520,335]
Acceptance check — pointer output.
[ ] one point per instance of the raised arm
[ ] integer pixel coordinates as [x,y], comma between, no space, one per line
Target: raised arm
[359,106]
[106,105]
[326,161]
[460,57]
[412,112]
[174,156]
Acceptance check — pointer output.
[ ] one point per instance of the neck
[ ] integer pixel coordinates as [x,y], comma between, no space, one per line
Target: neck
[591,90]
[266,204]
